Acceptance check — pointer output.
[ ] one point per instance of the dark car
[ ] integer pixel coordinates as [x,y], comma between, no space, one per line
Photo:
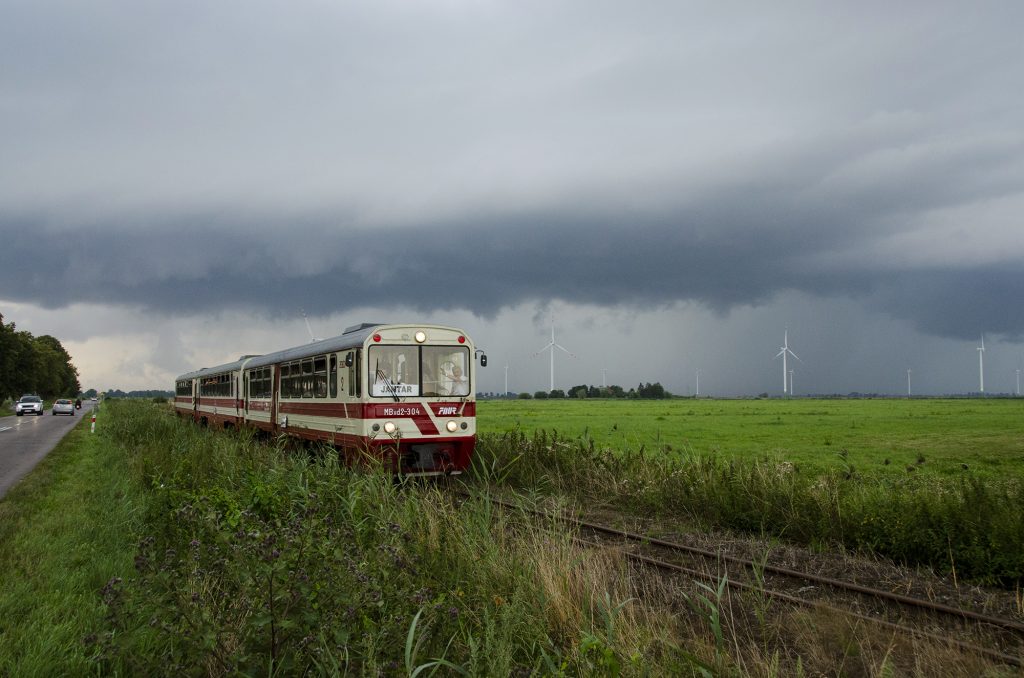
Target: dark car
[29,404]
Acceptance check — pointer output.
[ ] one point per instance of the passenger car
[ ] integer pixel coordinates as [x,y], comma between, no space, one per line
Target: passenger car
[29,404]
[401,393]
[63,406]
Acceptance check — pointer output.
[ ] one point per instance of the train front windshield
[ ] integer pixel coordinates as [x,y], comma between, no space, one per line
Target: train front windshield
[430,371]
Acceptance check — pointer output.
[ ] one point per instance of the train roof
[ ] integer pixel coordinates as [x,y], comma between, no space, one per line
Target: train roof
[217,369]
[353,337]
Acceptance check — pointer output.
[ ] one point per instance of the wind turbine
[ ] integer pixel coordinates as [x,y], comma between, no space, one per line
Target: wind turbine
[981,365]
[312,337]
[791,382]
[698,382]
[908,382]
[1018,381]
[553,345]
[782,352]
[505,394]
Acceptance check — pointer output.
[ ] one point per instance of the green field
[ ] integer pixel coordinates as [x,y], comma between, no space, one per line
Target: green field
[156,547]
[885,435]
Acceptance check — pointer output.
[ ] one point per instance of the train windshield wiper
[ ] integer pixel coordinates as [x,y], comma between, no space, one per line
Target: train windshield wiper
[387,382]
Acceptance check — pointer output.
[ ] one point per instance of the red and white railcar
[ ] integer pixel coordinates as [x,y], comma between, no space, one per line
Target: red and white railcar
[403,393]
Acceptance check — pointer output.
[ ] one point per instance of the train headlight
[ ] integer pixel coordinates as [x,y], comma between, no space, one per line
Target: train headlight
[420,337]
[464,426]
[452,427]
[389,427]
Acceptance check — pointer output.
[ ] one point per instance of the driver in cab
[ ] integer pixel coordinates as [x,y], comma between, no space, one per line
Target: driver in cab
[459,384]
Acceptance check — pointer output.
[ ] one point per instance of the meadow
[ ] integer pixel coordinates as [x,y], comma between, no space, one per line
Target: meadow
[155,547]
[948,437]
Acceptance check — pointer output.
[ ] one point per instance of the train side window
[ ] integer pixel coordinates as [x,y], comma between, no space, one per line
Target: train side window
[295,381]
[286,381]
[307,378]
[320,376]
[333,375]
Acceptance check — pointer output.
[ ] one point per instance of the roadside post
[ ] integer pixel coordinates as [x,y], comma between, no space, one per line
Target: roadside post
[93,427]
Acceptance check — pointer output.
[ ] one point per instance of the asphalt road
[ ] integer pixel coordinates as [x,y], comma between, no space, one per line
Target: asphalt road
[25,440]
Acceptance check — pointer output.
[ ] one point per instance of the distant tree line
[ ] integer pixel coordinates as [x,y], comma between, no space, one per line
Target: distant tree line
[117,393]
[653,391]
[36,365]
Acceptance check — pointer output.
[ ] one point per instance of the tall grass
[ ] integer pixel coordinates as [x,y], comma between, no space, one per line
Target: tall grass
[255,560]
[970,524]
[65,530]
[206,553]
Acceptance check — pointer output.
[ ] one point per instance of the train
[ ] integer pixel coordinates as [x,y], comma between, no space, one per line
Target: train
[400,393]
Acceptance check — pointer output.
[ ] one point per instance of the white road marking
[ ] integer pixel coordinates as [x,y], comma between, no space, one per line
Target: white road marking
[6,428]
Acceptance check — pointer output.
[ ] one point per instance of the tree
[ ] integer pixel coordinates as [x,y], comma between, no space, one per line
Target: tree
[60,372]
[655,390]
[524,396]
[34,365]
[578,391]
[7,350]
[541,395]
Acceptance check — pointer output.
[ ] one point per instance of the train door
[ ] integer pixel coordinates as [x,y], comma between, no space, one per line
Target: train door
[354,378]
[275,389]
[332,377]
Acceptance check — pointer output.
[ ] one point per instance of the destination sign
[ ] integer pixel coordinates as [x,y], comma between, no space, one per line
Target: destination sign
[381,389]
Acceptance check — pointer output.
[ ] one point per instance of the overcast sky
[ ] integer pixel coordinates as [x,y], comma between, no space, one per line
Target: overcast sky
[675,183]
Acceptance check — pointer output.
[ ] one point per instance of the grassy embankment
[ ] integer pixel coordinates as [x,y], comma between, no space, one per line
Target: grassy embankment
[65,530]
[820,476]
[155,547]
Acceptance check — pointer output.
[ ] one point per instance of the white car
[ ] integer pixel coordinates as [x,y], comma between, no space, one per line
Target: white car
[63,406]
[29,404]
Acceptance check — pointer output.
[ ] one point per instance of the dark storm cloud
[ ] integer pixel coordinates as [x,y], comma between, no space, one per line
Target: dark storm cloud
[484,156]
[742,247]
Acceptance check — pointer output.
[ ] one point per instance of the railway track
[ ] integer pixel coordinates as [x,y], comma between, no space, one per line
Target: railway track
[1003,638]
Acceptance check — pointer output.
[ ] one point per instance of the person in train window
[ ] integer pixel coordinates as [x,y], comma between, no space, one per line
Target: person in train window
[459,383]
